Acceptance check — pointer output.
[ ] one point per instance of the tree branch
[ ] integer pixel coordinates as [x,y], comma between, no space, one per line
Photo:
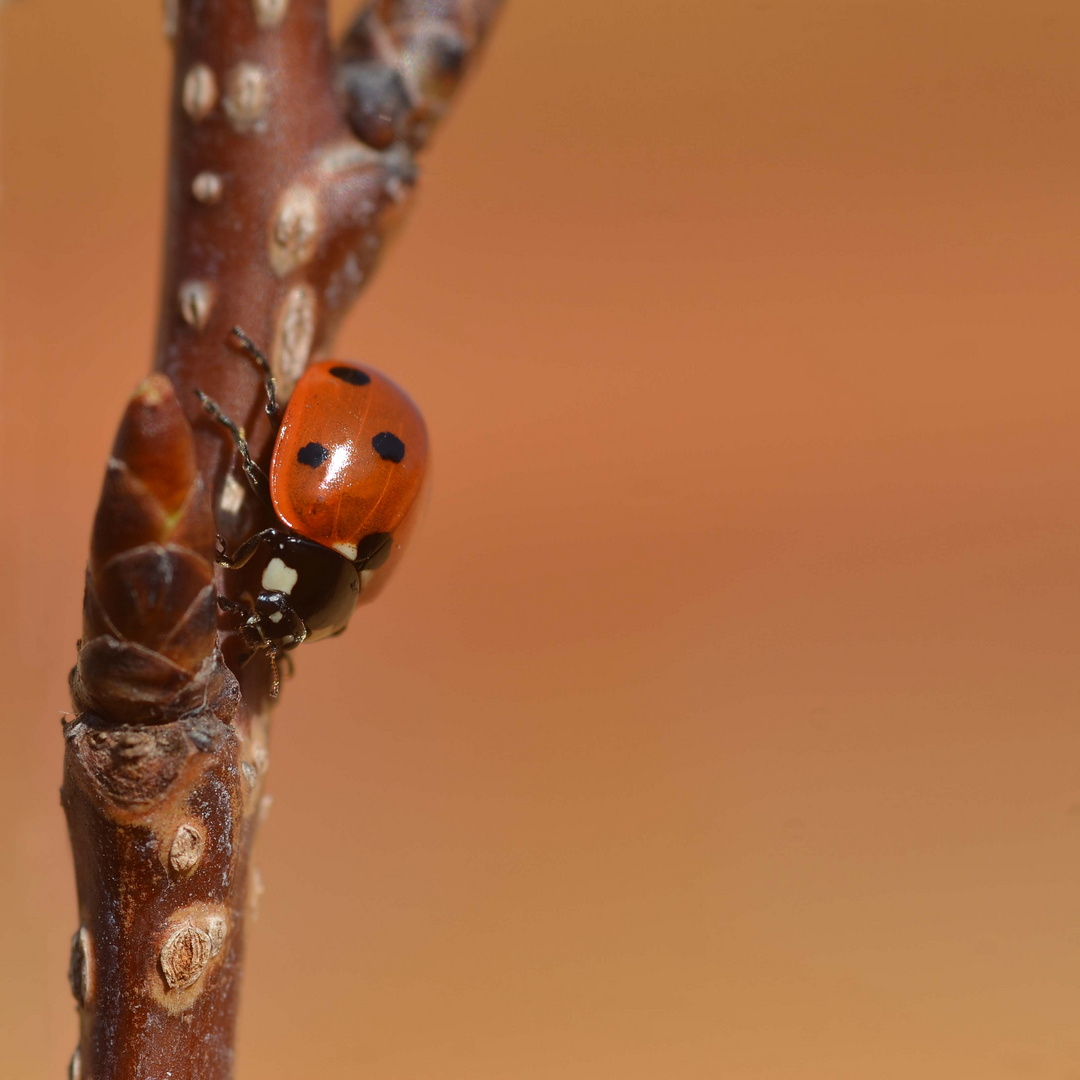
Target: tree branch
[277,213]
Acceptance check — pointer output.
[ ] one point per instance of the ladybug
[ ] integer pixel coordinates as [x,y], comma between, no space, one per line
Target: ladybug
[348,463]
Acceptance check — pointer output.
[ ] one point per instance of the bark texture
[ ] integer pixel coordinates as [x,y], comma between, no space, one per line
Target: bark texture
[290,165]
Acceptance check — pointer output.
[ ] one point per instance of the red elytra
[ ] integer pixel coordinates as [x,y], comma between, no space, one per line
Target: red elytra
[350,456]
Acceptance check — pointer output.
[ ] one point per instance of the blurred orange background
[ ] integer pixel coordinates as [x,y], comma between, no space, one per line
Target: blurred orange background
[723,719]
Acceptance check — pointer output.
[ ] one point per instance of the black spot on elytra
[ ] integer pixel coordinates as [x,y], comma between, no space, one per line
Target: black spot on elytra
[351,375]
[388,446]
[314,454]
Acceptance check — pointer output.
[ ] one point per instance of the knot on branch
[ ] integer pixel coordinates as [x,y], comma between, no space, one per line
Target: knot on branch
[191,948]
[81,967]
[402,60]
[149,647]
[136,764]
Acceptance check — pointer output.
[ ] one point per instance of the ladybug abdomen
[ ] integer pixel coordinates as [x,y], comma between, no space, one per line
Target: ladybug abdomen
[350,456]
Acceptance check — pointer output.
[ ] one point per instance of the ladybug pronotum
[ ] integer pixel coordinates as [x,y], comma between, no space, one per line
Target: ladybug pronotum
[347,466]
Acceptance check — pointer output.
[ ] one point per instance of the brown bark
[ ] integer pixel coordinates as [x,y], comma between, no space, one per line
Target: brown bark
[277,214]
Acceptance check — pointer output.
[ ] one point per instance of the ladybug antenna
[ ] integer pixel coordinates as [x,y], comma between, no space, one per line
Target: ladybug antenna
[263,365]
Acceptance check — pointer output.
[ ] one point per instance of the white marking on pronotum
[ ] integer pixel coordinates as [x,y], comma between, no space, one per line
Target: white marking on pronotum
[276,617]
[365,578]
[207,187]
[277,577]
[196,302]
[199,92]
[233,493]
[269,13]
[247,97]
[348,550]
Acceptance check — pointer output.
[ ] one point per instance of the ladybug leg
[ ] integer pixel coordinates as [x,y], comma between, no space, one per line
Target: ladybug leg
[281,666]
[275,674]
[256,477]
[251,632]
[231,606]
[244,552]
[252,636]
[275,680]
[268,376]
[280,625]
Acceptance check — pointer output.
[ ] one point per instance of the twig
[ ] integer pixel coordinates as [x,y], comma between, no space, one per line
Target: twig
[277,215]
